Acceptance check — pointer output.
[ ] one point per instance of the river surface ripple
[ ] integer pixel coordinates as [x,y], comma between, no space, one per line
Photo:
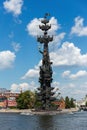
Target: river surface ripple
[13,121]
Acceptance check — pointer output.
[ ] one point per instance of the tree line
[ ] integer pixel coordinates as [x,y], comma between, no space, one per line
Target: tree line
[69,102]
[28,99]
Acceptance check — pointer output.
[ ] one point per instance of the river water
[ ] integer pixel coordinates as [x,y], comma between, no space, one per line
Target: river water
[76,121]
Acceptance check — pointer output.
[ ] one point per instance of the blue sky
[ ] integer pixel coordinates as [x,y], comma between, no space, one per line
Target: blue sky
[19,56]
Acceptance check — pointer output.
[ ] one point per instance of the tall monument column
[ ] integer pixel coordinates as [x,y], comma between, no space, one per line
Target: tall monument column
[45,90]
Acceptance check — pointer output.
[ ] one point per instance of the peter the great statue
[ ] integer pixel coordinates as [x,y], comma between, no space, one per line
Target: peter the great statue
[45,94]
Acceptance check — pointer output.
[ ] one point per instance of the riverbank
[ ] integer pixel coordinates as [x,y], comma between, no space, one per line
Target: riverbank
[63,111]
[14,110]
[33,112]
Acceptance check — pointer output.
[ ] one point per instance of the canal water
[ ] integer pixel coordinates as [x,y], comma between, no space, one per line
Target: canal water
[73,121]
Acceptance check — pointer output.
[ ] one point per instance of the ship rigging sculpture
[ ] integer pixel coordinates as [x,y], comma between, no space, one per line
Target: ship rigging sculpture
[45,94]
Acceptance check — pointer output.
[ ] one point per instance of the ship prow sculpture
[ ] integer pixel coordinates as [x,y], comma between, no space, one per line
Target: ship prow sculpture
[45,94]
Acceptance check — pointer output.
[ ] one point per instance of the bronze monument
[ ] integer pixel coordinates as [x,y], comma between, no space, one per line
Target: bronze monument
[45,94]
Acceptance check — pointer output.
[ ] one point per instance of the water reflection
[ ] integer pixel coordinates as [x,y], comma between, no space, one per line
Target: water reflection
[46,122]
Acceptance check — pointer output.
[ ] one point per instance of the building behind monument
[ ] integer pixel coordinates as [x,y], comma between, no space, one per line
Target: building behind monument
[8,98]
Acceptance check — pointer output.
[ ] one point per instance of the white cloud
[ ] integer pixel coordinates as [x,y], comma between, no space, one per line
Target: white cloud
[66,73]
[14,88]
[68,86]
[54,26]
[56,41]
[68,55]
[81,73]
[16,46]
[71,85]
[79,29]
[85,84]
[32,73]
[80,92]
[23,86]
[33,29]
[55,85]
[68,89]
[7,59]
[13,6]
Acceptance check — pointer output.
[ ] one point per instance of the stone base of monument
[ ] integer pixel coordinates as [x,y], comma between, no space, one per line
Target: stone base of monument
[51,111]
[55,112]
[46,112]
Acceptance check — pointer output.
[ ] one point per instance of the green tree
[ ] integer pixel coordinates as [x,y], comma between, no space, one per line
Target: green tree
[38,103]
[86,103]
[72,104]
[26,100]
[67,102]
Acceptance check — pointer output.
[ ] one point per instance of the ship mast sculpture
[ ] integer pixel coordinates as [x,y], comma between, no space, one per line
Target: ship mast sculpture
[45,93]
